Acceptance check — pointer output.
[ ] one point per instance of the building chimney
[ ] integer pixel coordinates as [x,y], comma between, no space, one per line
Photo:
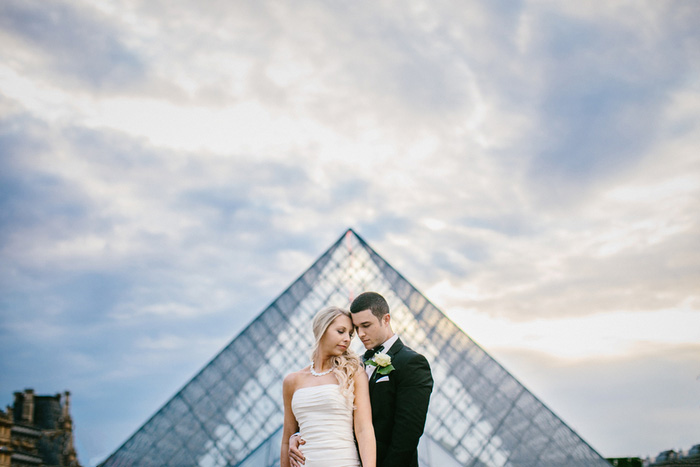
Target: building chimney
[28,407]
[66,405]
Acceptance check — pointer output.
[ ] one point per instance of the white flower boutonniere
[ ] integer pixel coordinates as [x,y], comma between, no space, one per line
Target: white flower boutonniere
[383,363]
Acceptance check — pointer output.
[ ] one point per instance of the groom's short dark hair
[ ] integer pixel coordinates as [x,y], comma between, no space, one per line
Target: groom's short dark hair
[370,301]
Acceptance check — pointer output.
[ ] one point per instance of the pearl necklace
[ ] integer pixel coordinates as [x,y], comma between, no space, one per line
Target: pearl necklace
[315,373]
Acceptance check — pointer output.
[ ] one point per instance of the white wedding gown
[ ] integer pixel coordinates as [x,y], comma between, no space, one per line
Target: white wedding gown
[326,424]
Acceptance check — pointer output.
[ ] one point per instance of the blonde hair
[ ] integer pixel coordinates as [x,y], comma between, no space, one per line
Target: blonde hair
[344,365]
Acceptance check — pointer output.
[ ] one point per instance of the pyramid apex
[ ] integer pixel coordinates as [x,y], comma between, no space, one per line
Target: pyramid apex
[350,232]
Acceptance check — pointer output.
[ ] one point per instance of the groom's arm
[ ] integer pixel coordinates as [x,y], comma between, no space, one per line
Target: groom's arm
[412,398]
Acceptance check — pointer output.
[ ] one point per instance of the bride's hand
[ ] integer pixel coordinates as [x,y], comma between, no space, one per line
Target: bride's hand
[296,458]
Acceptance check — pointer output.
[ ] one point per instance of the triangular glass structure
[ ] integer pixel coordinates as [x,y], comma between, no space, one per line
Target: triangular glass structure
[230,414]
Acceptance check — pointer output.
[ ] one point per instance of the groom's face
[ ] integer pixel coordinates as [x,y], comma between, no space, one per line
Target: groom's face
[371,330]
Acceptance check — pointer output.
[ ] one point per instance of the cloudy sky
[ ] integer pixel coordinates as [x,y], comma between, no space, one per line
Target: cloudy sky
[167,168]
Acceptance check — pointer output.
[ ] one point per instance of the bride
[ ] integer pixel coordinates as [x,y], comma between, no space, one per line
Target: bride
[328,401]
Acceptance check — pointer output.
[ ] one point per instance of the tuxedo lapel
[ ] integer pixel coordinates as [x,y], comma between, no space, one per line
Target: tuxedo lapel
[373,379]
[398,345]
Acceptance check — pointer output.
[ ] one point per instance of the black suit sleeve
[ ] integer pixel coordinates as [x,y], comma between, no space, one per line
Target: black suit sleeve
[412,398]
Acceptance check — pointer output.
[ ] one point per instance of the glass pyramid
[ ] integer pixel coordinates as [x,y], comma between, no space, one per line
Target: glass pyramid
[230,414]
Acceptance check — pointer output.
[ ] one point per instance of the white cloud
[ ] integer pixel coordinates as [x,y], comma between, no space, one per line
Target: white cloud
[602,335]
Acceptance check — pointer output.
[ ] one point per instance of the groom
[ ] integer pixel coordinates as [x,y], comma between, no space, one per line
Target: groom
[399,396]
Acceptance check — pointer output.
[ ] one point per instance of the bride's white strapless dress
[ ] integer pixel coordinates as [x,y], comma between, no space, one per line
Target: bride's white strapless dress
[326,424]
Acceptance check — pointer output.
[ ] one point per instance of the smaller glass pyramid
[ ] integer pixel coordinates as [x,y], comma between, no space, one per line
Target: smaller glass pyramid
[230,414]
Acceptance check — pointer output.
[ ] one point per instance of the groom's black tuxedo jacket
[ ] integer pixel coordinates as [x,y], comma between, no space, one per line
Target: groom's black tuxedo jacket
[399,406]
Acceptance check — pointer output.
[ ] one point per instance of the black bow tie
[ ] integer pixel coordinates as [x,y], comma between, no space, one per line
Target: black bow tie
[370,353]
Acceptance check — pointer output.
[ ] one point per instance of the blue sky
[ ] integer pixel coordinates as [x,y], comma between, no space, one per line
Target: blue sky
[168,168]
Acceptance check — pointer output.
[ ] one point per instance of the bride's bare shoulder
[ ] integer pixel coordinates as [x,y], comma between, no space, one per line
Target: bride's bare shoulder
[291,381]
[360,375]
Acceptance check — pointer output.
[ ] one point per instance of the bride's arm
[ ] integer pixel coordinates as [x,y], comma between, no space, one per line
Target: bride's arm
[364,431]
[290,422]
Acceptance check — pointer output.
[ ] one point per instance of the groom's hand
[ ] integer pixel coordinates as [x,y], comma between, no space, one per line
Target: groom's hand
[296,458]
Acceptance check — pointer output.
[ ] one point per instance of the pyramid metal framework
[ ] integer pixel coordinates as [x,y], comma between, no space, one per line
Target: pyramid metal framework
[230,414]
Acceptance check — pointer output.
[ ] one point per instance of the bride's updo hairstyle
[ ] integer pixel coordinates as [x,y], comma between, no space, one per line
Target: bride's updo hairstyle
[344,365]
